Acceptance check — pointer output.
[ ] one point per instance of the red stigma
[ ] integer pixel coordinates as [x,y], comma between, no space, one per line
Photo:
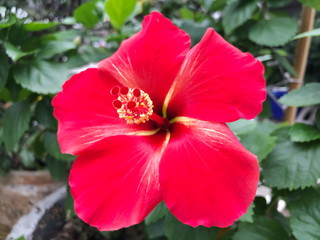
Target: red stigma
[136,92]
[131,105]
[117,104]
[124,90]
[134,105]
[115,90]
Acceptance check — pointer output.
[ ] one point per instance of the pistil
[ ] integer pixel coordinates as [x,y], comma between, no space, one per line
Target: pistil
[135,106]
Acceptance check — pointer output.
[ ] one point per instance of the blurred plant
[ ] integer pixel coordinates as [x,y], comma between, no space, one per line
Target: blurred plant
[38,56]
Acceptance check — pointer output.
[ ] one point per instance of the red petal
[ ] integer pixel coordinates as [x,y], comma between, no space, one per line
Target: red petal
[85,113]
[151,58]
[214,178]
[217,82]
[115,184]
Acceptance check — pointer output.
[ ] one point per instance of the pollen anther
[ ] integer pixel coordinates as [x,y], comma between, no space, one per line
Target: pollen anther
[133,105]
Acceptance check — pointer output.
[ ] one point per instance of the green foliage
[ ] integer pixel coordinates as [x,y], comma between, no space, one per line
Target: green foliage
[237,13]
[4,69]
[119,11]
[261,229]
[39,26]
[248,216]
[88,14]
[52,147]
[242,126]
[15,122]
[274,32]
[41,76]
[160,211]
[305,96]
[265,146]
[175,230]
[304,133]
[38,56]
[305,215]
[14,53]
[52,48]
[311,3]
[291,165]
[312,33]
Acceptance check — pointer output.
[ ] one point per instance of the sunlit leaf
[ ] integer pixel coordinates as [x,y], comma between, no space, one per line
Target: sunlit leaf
[88,14]
[304,133]
[14,53]
[311,3]
[119,11]
[274,32]
[312,33]
[41,76]
[307,95]
[39,26]
[292,165]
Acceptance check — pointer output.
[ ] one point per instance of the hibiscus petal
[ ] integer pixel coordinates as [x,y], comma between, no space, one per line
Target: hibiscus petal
[151,58]
[217,82]
[206,176]
[115,184]
[85,113]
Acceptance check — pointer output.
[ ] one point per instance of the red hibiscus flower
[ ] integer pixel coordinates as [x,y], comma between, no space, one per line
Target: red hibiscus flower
[148,125]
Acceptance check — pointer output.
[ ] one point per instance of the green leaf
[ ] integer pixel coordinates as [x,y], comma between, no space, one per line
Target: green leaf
[43,114]
[69,206]
[15,122]
[155,230]
[14,53]
[51,145]
[39,26]
[237,13]
[195,30]
[304,133]
[27,158]
[4,69]
[307,95]
[88,14]
[258,143]
[7,22]
[158,212]
[57,169]
[218,5]
[262,229]
[278,3]
[175,230]
[266,126]
[311,3]
[274,32]
[283,60]
[312,33]
[291,165]
[55,47]
[41,76]
[119,11]
[242,126]
[248,216]
[305,215]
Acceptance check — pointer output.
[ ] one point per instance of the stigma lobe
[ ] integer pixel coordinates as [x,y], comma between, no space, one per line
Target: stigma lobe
[133,105]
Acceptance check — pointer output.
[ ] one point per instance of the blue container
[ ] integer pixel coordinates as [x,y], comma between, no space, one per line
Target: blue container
[277,109]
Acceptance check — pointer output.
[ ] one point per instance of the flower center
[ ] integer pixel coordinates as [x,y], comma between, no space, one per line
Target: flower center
[133,105]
